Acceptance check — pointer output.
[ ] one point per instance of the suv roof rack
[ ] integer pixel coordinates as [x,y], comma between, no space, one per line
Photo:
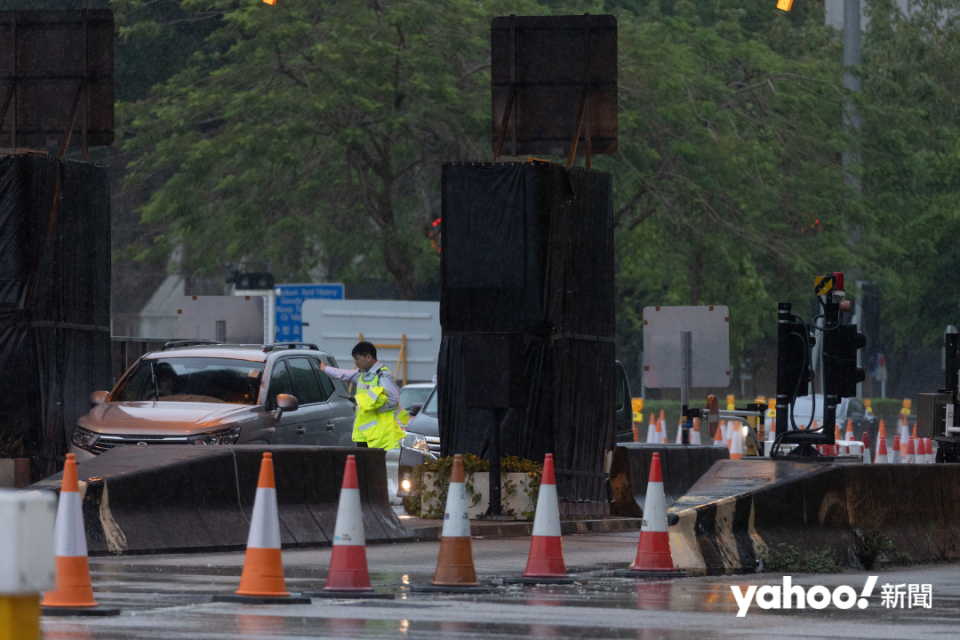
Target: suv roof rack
[267,348]
[179,344]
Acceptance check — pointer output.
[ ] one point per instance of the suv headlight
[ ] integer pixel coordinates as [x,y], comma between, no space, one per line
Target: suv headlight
[226,436]
[83,438]
[415,441]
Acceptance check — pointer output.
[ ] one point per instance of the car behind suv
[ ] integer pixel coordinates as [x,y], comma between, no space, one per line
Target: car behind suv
[218,394]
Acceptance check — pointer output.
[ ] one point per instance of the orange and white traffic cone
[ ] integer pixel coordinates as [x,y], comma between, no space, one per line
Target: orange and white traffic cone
[718,441]
[652,430]
[883,431]
[455,571]
[348,576]
[904,440]
[73,595]
[911,452]
[695,434]
[866,447]
[848,436]
[262,579]
[927,451]
[662,428]
[654,559]
[736,445]
[896,457]
[882,451]
[545,562]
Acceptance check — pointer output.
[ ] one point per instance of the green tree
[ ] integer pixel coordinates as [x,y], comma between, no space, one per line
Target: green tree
[911,169]
[729,185]
[311,135]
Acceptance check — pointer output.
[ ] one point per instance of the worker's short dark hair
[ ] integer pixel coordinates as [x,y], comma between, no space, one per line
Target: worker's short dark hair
[364,349]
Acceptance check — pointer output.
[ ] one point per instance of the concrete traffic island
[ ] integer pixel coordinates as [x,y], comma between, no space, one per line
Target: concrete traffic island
[184,498]
[740,510]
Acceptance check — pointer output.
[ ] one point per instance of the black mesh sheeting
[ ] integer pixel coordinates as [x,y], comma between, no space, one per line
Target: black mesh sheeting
[528,249]
[54,298]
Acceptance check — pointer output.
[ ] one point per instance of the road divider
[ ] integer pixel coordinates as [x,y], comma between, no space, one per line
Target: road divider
[185,498]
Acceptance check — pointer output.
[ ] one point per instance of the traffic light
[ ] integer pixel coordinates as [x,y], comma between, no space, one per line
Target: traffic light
[794,364]
[847,374]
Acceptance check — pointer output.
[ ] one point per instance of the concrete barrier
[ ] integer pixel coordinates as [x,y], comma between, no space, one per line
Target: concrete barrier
[740,510]
[172,498]
[682,466]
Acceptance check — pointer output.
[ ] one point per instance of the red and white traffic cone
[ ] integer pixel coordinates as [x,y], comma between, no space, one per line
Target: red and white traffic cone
[545,562]
[662,428]
[911,452]
[904,439]
[896,458]
[654,559]
[348,576]
[848,436]
[866,447]
[262,579]
[695,434]
[927,451]
[718,441]
[73,595]
[882,452]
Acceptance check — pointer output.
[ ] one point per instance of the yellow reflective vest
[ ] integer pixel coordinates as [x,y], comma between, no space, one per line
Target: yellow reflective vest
[379,429]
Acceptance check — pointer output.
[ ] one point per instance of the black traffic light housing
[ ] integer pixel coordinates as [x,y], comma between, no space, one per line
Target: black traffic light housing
[846,374]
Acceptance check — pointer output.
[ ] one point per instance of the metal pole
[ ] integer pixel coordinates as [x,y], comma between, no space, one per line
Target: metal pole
[851,59]
[686,378]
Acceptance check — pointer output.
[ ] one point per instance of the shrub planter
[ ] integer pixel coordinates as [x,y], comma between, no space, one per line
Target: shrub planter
[518,493]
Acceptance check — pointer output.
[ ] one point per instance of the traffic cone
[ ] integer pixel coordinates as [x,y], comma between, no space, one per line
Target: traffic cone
[262,579]
[848,436]
[718,441]
[348,576]
[883,431]
[911,452]
[660,437]
[914,431]
[73,595]
[897,457]
[866,447]
[904,440]
[654,559]
[545,562]
[652,429]
[679,439]
[882,451]
[455,572]
[736,445]
[695,436]
[836,433]
[927,451]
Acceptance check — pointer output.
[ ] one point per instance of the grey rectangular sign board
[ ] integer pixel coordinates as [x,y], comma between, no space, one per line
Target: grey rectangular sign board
[662,326]
[233,319]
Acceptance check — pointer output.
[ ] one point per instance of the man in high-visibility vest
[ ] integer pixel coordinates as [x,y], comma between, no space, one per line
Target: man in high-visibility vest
[378,399]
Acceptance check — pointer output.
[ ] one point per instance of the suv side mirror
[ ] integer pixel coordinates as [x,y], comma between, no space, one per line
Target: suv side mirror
[286,402]
[98,397]
[415,409]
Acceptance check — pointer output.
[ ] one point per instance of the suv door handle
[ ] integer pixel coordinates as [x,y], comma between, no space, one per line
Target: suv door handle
[330,426]
[301,430]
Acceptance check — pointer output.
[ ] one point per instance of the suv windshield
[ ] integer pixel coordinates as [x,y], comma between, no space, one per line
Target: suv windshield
[221,380]
[413,395]
[431,407]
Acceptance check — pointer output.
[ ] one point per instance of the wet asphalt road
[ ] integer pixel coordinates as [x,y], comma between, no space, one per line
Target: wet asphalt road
[169,597]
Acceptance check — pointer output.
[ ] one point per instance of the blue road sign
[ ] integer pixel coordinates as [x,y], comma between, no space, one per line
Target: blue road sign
[290,299]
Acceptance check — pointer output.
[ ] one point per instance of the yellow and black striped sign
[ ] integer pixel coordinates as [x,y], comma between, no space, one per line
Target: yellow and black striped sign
[822,285]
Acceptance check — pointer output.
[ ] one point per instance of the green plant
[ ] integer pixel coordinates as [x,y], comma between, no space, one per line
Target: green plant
[869,544]
[785,558]
[904,558]
[442,467]
[11,445]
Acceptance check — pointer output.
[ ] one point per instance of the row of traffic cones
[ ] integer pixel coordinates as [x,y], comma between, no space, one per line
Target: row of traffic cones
[657,431]
[262,580]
